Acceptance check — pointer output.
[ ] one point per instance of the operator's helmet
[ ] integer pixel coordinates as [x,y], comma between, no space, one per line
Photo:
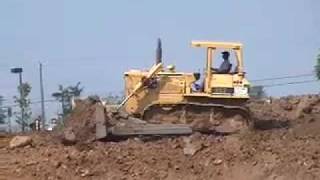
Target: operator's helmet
[225,54]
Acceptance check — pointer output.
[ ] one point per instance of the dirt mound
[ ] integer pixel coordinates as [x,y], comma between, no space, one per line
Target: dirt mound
[80,125]
[286,146]
[280,112]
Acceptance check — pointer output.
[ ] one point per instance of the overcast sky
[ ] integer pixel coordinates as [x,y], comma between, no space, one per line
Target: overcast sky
[96,41]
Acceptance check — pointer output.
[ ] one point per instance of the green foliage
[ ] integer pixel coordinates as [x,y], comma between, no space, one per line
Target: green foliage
[24,115]
[317,67]
[2,111]
[65,95]
[76,90]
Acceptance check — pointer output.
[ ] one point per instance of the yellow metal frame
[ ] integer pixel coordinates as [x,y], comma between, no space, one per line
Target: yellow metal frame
[211,48]
[176,87]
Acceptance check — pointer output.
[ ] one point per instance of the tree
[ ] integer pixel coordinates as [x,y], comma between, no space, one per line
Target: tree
[65,95]
[76,90]
[23,116]
[317,67]
[112,98]
[2,111]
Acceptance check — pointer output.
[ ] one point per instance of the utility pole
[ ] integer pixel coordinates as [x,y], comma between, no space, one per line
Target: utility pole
[63,106]
[43,115]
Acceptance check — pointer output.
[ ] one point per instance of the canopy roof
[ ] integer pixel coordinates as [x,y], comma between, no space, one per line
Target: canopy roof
[210,44]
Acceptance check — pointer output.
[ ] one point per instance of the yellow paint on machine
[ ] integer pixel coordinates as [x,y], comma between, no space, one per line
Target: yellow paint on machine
[162,85]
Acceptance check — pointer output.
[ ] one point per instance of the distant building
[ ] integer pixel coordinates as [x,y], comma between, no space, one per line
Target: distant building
[257,92]
[53,123]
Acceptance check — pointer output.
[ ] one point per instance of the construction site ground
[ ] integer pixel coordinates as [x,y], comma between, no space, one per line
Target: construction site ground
[285,144]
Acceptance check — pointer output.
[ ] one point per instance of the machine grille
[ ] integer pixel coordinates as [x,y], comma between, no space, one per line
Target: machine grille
[222,90]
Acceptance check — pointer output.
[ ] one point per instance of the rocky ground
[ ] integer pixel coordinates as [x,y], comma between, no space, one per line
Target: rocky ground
[285,144]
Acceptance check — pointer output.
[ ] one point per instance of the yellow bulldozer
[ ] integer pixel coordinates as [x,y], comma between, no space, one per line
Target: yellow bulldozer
[164,95]
[173,102]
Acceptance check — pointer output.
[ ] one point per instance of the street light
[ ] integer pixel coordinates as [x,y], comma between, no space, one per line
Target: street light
[19,71]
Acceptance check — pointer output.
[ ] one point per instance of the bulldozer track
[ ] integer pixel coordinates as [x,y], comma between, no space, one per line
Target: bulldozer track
[203,117]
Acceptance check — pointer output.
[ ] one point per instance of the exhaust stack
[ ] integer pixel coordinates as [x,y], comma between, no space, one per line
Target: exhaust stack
[159,52]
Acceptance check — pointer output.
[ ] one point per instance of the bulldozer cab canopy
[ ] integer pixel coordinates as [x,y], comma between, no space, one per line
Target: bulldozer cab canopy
[217,45]
[213,46]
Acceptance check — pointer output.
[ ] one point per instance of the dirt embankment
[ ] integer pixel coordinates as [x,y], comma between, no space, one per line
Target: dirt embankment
[285,145]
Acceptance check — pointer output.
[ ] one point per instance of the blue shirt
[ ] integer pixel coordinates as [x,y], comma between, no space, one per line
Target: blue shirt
[224,67]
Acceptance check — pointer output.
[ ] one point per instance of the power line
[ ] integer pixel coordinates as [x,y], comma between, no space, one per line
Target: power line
[33,102]
[290,83]
[283,77]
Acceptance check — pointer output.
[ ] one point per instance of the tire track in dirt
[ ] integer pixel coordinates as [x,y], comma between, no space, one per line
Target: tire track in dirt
[4,169]
[7,167]
[4,160]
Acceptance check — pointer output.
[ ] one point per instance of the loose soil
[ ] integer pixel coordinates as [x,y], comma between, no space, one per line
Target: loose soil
[285,144]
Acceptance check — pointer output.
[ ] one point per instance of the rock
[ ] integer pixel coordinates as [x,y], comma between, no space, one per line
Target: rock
[57,164]
[74,154]
[217,162]
[191,148]
[304,106]
[118,114]
[20,141]
[284,104]
[64,166]
[268,149]
[175,145]
[311,120]
[84,173]
[31,163]
[18,170]
[123,115]
[69,138]
[137,139]
[255,163]
[316,110]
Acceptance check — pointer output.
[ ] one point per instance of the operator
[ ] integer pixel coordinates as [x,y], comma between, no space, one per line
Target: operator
[225,67]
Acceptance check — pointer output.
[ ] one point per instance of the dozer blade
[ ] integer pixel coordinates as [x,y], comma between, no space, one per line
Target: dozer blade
[133,126]
[150,129]
[100,121]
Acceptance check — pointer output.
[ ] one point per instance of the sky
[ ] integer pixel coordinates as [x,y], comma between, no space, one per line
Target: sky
[94,42]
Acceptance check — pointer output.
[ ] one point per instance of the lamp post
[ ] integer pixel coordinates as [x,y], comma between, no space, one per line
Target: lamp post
[19,71]
[9,119]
